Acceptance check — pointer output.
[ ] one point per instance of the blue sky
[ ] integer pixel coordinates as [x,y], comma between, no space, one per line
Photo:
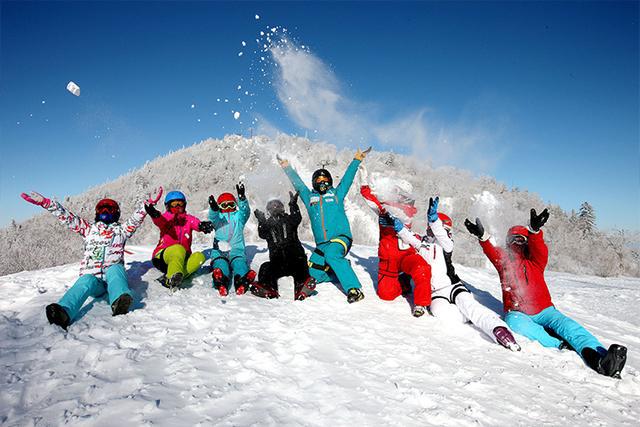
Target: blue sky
[540,95]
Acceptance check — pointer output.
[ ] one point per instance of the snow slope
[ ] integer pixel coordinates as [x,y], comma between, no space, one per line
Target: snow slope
[192,358]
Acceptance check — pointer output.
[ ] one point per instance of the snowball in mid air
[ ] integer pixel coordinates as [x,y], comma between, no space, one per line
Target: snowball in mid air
[257,16]
[236,115]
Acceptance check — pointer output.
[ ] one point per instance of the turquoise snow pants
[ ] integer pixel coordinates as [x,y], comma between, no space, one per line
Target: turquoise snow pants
[532,327]
[328,263]
[229,262]
[114,284]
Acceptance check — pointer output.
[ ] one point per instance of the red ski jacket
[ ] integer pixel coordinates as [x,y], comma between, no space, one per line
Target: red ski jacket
[522,275]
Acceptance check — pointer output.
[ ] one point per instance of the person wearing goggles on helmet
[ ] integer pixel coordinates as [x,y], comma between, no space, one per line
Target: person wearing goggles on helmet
[398,262]
[172,255]
[228,259]
[451,299]
[526,299]
[102,268]
[330,225]
[286,254]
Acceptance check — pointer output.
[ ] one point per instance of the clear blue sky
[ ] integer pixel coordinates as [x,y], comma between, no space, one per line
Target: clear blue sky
[552,87]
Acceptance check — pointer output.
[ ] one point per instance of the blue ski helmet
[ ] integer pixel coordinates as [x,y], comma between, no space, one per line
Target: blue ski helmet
[174,195]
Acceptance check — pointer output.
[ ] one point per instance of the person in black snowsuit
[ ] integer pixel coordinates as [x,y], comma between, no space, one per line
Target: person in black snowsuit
[286,254]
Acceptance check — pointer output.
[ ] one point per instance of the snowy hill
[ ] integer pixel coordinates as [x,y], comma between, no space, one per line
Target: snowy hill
[193,358]
[215,166]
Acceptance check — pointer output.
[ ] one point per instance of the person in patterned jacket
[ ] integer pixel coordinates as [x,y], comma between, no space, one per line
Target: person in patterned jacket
[102,267]
[526,299]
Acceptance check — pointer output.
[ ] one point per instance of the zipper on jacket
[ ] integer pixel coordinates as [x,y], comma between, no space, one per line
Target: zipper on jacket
[324,231]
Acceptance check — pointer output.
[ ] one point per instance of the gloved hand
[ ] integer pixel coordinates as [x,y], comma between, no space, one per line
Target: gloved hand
[360,155]
[213,204]
[293,198]
[36,199]
[151,210]
[240,190]
[476,229]
[397,224]
[537,221]
[206,227]
[260,215]
[153,200]
[283,162]
[432,212]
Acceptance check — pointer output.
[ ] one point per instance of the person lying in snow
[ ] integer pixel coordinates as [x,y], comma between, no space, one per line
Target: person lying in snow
[396,257]
[102,267]
[451,299]
[228,258]
[526,299]
[286,254]
[330,225]
[173,255]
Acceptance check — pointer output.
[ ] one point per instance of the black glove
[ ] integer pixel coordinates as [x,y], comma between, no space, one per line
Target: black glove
[240,190]
[206,227]
[213,204]
[537,221]
[476,229]
[260,215]
[152,211]
[293,198]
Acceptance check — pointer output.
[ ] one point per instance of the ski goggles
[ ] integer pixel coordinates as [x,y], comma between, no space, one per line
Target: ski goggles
[228,205]
[177,203]
[517,239]
[322,179]
[106,209]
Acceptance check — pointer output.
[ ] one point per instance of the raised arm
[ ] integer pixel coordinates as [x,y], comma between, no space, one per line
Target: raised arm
[538,251]
[494,254]
[435,223]
[75,223]
[298,185]
[294,209]
[263,226]
[135,221]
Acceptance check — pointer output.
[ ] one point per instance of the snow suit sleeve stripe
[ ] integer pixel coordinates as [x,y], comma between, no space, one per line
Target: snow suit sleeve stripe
[134,221]
[441,235]
[494,254]
[538,251]
[297,183]
[409,238]
[68,218]
[347,179]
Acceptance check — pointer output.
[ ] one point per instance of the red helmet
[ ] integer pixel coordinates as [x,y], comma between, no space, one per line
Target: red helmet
[446,221]
[227,202]
[517,235]
[107,211]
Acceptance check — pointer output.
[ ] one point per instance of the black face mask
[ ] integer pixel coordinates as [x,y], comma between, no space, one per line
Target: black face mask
[107,218]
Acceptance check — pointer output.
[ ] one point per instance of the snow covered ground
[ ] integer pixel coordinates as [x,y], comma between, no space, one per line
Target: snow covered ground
[193,358]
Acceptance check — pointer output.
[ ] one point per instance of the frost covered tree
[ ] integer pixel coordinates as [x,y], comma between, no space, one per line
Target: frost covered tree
[586,218]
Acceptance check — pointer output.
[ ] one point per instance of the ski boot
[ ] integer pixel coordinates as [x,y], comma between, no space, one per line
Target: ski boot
[174,282]
[57,315]
[121,305]
[610,363]
[505,338]
[354,295]
[242,283]
[220,282]
[261,291]
[306,289]
[419,310]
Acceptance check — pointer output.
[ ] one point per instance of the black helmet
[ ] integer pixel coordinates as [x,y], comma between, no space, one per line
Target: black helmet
[275,207]
[317,185]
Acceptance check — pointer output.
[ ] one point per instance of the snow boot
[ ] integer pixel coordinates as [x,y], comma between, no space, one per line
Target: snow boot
[121,305]
[220,282]
[419,310]
[354,295]
[609,363]
[242,283]
[57,315]
[261,291]
[174,281]
[505,338]
[306,289]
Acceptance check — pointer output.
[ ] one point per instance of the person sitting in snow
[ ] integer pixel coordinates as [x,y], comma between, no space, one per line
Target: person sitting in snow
[330,225]
[286,254]
[102,268]
[451,299]
[395,256]
[228,257]
[173,256]
[526,299]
